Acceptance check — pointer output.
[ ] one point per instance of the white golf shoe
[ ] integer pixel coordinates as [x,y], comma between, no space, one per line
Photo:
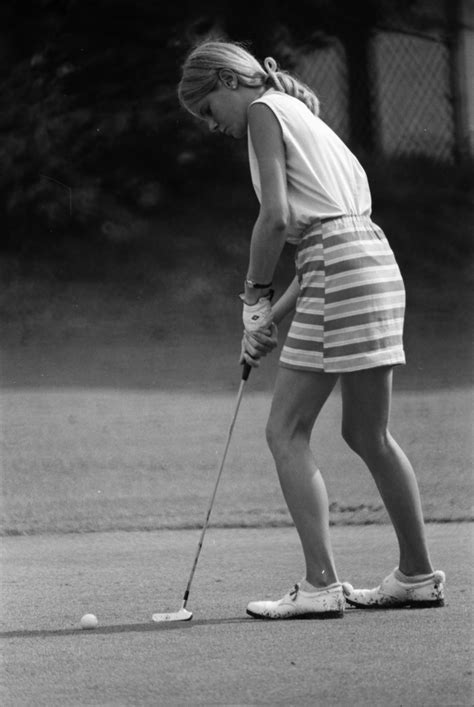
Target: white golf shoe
[393,593]
[327,603]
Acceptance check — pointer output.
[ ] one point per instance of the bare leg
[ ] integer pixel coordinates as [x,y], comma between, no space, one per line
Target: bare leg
[366,399]
[299,397]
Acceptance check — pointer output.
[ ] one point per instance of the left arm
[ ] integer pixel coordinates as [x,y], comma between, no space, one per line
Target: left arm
[259,343]
[270,229]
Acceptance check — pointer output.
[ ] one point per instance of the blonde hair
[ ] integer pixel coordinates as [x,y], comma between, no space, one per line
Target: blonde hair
[200,74]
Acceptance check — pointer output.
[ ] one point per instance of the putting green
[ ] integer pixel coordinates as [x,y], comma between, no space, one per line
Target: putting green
[222,657]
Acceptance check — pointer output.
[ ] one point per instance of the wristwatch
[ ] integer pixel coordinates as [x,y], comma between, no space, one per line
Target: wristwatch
[257,285]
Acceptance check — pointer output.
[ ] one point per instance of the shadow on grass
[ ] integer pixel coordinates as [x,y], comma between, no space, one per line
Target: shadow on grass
[123,628]
[151,627]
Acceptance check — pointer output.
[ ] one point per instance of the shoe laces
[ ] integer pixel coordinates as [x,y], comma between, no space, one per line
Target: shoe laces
[294,592]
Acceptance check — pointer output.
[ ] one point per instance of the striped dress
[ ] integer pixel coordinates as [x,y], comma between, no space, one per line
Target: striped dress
[350,310]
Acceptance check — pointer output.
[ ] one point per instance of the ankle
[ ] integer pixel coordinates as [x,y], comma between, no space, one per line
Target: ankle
[412,576]
[410,569]
[309,587]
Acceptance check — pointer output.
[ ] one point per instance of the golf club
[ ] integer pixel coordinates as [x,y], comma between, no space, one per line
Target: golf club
[184,614]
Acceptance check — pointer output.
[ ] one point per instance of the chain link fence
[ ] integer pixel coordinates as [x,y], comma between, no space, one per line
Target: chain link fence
[411,107]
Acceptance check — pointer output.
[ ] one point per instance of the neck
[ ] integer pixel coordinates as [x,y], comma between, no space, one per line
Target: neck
[254,93]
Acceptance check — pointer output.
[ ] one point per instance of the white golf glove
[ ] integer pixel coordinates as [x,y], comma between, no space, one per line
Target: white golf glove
[258,315]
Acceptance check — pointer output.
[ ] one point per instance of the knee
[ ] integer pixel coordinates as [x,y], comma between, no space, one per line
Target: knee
[365,442]
[280,435]
[351,437]
[274,433]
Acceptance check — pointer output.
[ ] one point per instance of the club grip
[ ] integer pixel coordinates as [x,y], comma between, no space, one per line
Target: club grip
[246,368]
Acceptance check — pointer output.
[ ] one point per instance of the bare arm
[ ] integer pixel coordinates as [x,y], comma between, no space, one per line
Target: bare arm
[287,302]
[270,229]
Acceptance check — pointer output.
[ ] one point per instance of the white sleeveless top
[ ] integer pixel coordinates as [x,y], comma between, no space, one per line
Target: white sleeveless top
[324,178]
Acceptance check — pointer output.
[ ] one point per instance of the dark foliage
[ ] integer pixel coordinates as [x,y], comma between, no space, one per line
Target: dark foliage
[93,142]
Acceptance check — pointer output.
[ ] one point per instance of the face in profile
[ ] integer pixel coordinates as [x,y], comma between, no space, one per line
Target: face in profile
[224,110]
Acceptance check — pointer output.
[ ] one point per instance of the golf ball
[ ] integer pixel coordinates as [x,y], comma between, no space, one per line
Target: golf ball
[89,621]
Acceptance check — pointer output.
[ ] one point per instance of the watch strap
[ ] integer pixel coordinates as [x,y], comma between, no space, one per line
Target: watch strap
[257,285]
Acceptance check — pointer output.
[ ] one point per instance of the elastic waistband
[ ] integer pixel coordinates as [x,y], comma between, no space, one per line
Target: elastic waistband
[316,226]
[358,217]
[328,219]
[326,225]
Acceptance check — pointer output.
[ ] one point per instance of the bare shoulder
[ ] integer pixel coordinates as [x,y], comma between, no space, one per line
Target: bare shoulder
[267,140]
[264,126]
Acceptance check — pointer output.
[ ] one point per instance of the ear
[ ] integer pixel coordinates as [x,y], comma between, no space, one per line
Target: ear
[228,78]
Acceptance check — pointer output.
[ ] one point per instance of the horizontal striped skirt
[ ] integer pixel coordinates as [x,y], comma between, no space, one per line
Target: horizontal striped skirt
[351,306]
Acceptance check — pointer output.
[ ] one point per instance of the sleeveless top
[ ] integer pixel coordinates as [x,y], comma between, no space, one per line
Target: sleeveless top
[324,178]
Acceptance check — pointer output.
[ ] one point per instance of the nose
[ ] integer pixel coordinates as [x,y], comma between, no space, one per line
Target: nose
[212,125]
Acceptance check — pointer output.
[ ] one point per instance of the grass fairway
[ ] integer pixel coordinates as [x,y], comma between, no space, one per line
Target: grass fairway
[77,460]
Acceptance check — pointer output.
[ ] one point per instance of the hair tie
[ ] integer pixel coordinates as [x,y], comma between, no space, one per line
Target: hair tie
[271,68]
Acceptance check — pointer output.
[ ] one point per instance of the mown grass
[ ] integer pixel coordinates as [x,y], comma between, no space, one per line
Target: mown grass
[101,459]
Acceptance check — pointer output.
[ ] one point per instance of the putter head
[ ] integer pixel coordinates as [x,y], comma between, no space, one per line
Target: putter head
[181,615]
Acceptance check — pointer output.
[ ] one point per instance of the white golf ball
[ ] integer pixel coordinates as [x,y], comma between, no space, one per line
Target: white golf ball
[89,621]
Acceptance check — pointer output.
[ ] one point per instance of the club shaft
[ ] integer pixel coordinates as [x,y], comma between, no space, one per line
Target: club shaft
[208,515]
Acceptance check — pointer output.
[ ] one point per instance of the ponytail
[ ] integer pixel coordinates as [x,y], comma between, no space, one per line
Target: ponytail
[285,83]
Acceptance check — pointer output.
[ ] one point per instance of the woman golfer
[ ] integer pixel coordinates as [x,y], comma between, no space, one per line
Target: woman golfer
[347,303]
